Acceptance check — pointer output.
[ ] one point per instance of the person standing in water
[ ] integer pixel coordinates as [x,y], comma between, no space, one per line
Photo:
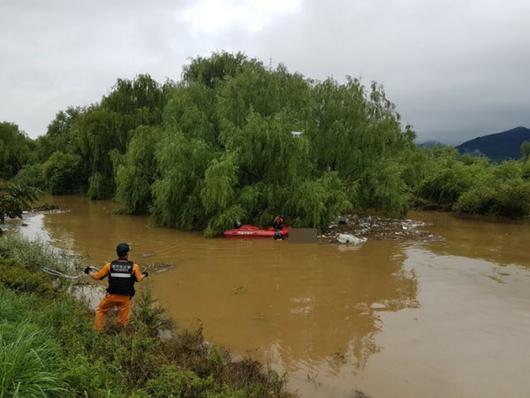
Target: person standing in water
[122,275]
[278,222]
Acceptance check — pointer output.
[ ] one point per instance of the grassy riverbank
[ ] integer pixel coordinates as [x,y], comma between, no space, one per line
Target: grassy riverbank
[48,347]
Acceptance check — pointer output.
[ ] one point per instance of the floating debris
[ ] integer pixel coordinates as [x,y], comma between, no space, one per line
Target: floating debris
[239,290]
[351,229]
[350,239]
[45,207]
[158,267]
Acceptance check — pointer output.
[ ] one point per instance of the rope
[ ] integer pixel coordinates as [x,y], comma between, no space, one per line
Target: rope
[54,272]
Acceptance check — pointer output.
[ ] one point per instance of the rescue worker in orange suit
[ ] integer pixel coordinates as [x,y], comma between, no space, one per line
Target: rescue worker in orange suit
[122,275]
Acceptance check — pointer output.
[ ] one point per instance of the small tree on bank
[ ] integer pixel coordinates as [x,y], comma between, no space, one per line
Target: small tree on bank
[14,199]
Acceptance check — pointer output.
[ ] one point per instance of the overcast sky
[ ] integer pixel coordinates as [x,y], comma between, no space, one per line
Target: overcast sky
[455,69]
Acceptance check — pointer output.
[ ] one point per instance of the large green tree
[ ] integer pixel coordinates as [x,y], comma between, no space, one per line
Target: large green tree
[63,173]
[242,141]
[59,135]
[15,150]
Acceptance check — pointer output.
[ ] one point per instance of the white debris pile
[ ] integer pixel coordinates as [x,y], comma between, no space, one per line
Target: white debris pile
[347,239]
[355,230]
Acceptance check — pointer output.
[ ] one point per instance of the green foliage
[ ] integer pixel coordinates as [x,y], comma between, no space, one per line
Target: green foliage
[96,131]
[190,110]
[267,152]
[525,151]
[224,220]
[513,199]
[174,383]
[36,255]
[31,175]
[220,179]
[317,202]
[29,361]
[446,185]
[228,151]
[20,279]
[472,185]
[138,171]
[510,199]
[100,186]
[478,200]
[219,66]
[14,199]
[14,150]
[151,314]
[62,173]
[182,163]
[58,136]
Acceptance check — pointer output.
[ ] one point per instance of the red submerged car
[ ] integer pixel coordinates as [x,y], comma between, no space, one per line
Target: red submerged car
[251,231]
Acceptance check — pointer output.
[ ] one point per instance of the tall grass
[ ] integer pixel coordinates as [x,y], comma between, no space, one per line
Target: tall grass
[37,254]
[28,363]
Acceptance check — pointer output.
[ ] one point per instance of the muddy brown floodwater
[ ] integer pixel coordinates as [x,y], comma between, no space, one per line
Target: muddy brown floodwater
[389,318]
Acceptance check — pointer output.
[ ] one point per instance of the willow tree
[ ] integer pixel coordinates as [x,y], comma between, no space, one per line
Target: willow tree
[525,151]
[135,102]
[357,133]
[218,146]
[265,92]
[14,150]
[138,170]
[228,150]
[62,173]
[190,109]
[209,71]
[59,134]
[107,127]
[271,163]
[96,134]
[218,194]
[176,193]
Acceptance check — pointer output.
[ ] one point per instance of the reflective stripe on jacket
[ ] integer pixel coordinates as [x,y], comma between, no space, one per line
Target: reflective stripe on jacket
[122,276]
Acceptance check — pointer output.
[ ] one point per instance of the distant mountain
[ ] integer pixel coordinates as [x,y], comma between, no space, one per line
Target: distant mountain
[429,144]
[499,146]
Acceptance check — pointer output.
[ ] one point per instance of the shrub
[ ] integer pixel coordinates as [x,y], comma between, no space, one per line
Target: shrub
[479,200]
[446,185]
[31,176]
[149,313]
[513,199]
[175,383]
[62,173]
[14,277]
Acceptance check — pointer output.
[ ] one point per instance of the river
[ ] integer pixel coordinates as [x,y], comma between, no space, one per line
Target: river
[449,318]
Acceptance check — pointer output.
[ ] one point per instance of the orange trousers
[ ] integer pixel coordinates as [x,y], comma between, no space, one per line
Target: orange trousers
[124,304]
